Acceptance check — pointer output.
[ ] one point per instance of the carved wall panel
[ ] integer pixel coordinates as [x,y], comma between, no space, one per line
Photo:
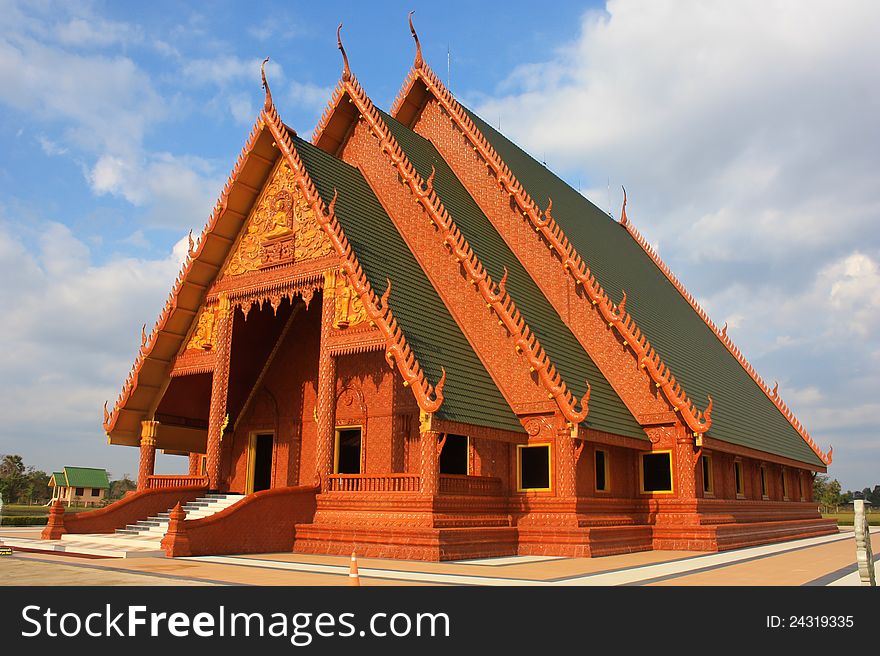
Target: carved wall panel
[281,229]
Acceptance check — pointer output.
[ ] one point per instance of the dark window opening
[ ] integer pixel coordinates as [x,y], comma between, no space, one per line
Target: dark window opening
[96,491]
[79,491]
[348,451]
[763,482]
[657,472]
[784,484]
[534,467]
[601,472]
[738,476]
[263,462]
[707,474]
[454,456]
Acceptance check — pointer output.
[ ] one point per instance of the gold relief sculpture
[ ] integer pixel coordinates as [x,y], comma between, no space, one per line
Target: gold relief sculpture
[349,311]
[281,228]
[203,336]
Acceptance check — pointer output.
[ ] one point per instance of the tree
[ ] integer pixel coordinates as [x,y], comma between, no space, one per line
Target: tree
[827,492]
[120,487]
[10,466]
[13,482]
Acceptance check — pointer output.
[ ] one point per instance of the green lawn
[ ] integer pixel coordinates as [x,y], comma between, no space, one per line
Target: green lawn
[22,510]
[846,518]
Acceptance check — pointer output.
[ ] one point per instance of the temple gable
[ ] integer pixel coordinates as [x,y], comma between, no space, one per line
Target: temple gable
[281,229]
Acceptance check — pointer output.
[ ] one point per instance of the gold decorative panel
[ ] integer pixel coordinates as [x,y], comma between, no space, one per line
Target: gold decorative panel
[280,229]
[203,337]
[348,309]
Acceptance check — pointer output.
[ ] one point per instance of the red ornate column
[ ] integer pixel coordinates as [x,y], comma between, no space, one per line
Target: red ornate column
[219,390]
[326,410]
[566,462]
[429,464]
[195,462]
[685,466]
[149,429]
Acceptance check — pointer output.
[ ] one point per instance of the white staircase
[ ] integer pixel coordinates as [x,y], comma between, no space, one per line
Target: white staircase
[141,539]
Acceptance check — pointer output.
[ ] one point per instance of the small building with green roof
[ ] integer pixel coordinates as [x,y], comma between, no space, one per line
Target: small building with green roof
[80,486]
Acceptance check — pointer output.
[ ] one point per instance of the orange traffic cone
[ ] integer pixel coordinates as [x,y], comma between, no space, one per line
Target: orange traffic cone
[353,578]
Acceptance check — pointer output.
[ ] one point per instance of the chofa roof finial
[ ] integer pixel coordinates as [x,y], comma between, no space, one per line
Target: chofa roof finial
[268,103]
[419,61]
[346,71]
[623,219]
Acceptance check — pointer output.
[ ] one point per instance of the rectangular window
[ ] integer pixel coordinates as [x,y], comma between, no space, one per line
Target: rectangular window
[763,482]
[602,482]
[348,450]
[454,456]
[706,462]
[784,485]
[533,467]
[79,491]
[738,478]
[96,491]
[656,471]
[801,486]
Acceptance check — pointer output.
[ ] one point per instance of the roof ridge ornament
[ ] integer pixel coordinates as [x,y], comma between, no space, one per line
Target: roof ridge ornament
[419,61]
[346,70]
[623,219]
[268,104]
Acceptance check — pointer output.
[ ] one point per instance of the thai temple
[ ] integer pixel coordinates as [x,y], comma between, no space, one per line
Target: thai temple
[407,337]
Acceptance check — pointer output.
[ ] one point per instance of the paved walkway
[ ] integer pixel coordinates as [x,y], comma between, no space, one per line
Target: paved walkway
[826,560]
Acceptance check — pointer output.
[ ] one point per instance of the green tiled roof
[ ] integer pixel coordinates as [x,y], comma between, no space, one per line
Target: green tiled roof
[471,395]
[58,479]
[742,413]
[607,410]
[86,477]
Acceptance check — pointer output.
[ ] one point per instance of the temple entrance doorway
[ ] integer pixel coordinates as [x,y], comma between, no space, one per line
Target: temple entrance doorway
[347,458]
[260,462]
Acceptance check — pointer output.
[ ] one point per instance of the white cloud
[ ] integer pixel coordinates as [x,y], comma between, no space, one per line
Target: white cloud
[93,31]
[179,191]
[70,333]
[855,292]
[309,96]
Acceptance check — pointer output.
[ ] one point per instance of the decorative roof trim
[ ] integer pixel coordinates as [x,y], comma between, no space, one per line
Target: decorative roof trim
[495,296]
[397,350]
[193,253]
[698,421]
[722,335]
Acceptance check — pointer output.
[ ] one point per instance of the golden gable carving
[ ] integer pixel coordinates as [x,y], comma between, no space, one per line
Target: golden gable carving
[281,228]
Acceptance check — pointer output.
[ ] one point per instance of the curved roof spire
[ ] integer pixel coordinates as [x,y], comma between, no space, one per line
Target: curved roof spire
[268,103]
[419,60]
[623,219]
[346,71]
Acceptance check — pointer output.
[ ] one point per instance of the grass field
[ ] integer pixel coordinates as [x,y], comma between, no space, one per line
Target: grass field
[21,510]
[846,518]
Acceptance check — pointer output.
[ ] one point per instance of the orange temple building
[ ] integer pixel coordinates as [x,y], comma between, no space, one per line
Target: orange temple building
[409,338]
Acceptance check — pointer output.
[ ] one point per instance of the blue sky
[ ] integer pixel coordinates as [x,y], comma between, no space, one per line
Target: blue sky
[745,134]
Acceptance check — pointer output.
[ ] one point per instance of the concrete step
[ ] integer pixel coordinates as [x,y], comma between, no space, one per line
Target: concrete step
[86,547]
[116,540]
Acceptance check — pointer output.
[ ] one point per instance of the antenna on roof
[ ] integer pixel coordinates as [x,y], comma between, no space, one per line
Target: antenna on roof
[448,65]
[609,198]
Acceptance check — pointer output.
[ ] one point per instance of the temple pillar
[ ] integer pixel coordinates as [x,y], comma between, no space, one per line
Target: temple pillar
[566,462]
[326,402]
[217,418]
[686,485]
[429,464]
[195,462]
[149,430]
